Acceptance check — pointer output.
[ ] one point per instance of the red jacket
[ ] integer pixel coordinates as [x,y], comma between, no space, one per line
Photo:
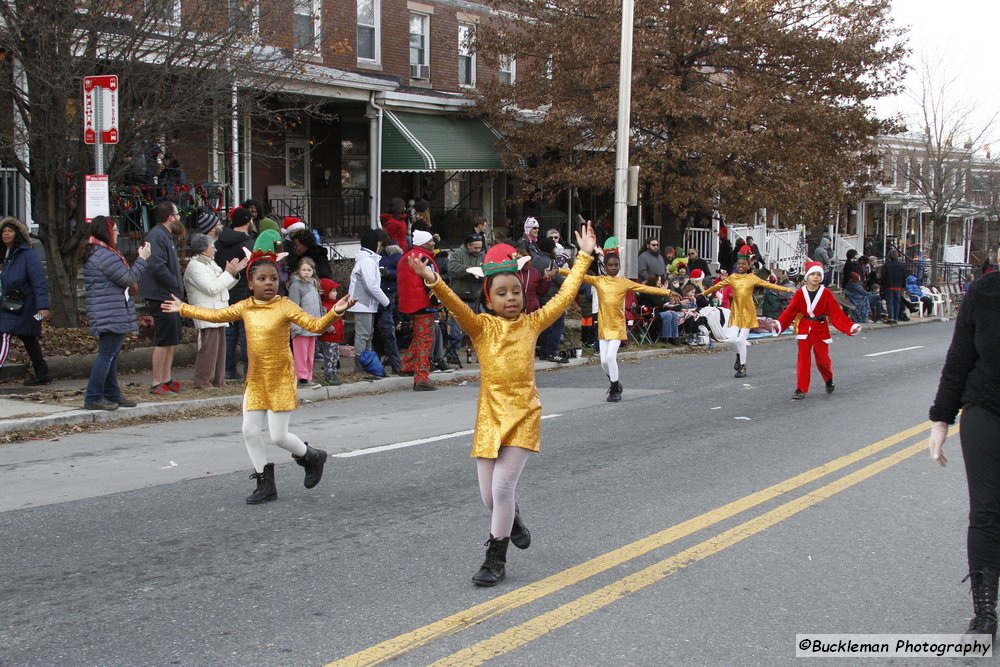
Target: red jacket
[396,229]
[413,296]
[533,285]
[336,332]
[824,305]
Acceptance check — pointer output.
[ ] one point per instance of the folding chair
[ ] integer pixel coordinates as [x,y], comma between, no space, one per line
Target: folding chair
[637,322]
[452,344]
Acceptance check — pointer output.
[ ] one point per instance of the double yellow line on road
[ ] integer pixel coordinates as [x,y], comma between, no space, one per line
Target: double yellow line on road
[561,616]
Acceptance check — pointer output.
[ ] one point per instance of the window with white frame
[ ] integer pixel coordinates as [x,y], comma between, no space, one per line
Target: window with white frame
[508,69]
[164,11]
[244,15]
[368,30]
[306,25]
[419,54]
[547,67]
[466,55]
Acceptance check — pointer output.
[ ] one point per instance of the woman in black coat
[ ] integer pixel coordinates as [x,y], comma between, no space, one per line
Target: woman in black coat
[970,381]
[25,301]
[303,244]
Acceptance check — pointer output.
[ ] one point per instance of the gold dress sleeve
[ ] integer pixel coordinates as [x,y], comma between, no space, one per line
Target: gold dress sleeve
[307,321]
[587,278]
[766,284]
[649,289]
[469,321]
[214,315]
[543,318]
[717,286]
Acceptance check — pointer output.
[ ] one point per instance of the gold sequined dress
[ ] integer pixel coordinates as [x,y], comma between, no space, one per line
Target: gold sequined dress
[271,383]
[611,291]
[743,313]
[509,410]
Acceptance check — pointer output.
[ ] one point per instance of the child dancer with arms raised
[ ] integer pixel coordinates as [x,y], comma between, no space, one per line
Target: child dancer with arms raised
[611,291]
[508,424]
[743,315]
[270,393]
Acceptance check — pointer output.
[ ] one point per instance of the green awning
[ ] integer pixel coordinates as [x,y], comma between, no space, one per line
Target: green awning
[435,142]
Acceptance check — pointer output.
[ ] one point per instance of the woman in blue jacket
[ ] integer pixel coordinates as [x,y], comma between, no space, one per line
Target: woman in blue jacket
[25,297]
[107,280]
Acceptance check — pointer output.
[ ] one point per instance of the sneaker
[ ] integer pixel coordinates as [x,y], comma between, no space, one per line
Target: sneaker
[100,405]
[441,366]
[798,395]
[333,381]
[173,385]
[125,403]
[423,386]
[555,359]
[160,389]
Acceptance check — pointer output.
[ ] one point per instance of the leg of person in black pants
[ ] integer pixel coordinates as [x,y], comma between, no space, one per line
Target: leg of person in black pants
[981,452]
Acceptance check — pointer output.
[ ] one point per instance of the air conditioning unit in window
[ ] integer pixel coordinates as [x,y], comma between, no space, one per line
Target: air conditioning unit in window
[420,71]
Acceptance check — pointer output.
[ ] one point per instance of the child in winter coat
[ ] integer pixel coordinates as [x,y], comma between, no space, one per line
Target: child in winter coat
[328,346]
[303,291]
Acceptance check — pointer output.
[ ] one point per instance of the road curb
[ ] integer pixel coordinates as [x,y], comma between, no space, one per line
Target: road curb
[307,396]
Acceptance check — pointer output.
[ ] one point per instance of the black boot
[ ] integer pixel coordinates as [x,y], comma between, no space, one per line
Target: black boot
[984,602]
[741,372]
[830,386]
[615,392]
[265,486]
[313,461]
[519,535]
[736,365]
[492,572]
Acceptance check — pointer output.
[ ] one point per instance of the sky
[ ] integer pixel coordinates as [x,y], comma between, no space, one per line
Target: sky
[960,35]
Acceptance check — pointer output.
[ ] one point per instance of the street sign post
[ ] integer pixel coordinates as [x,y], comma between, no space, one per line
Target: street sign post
[100,114]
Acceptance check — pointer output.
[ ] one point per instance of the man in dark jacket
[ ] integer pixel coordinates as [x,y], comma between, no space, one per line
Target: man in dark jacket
[467,286]
[851,265]
[893,283]
[232,241]
[160,282]
[548,342]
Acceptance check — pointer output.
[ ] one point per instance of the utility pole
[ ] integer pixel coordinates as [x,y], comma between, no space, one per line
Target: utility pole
[623,135]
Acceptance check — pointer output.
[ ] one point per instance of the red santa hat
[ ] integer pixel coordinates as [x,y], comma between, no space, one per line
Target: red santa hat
[697,274]
[745,252]
[813,267]
[292,224]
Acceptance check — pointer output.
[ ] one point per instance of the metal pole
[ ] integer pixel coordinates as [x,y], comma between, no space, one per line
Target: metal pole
[622,138]
[234,145]
[99,130]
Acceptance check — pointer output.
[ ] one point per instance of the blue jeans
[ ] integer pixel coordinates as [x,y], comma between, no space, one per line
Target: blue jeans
[551,337]
[236,335]
[893,303]
[387,327]
[668,324]
[103,383]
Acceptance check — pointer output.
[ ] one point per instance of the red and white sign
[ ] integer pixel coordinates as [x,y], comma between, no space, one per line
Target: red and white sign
[100,92]
[97,198]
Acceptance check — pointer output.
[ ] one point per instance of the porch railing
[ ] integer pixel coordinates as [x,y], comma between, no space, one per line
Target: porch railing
[785,248]
[334,217]
[12,194]
[700,238]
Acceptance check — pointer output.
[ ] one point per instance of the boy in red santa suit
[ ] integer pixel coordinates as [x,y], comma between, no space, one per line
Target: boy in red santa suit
[817,308]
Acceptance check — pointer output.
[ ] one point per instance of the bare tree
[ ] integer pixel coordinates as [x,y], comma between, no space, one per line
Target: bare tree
[179,65]
[940,151]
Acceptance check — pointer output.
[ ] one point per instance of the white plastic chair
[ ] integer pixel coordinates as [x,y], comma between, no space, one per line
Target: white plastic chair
[937,301]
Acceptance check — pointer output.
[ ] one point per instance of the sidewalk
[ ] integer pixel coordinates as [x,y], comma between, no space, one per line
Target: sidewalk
[25,411]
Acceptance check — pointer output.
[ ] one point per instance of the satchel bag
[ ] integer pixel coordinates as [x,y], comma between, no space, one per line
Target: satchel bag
[12,301]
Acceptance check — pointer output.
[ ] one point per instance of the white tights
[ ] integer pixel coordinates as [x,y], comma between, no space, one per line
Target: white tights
[609,357]
[498,484]
[738,337]
[254,422]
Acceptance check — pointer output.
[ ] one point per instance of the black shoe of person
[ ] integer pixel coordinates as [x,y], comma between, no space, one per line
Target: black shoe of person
[798,395]
[266,489]
[37,380]
[615,392]
[736,364]
[519,535]
[423,386]
[313,461]
[125,403]
[493,570]
[741,372]
[100,405]
[830,386]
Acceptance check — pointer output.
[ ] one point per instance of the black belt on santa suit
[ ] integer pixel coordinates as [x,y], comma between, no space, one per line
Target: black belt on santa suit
[821,318]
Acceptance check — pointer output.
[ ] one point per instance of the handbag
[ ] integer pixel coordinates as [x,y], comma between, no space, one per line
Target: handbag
[12,301]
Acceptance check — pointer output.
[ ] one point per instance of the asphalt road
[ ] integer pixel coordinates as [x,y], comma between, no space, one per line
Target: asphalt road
[704,520]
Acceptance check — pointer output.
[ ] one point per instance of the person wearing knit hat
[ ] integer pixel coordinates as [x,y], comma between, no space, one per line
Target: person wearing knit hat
[267,223]
[611,328]
[291,224]
[508,419]
[816,307]
[209,224]
[239,217]
[743,310]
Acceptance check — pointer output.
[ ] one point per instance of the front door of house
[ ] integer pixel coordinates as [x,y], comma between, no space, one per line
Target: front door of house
[297,175]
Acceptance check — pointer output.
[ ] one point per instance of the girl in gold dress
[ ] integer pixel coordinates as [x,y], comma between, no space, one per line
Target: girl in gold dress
[270,393]
[508,422]
[743,314]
